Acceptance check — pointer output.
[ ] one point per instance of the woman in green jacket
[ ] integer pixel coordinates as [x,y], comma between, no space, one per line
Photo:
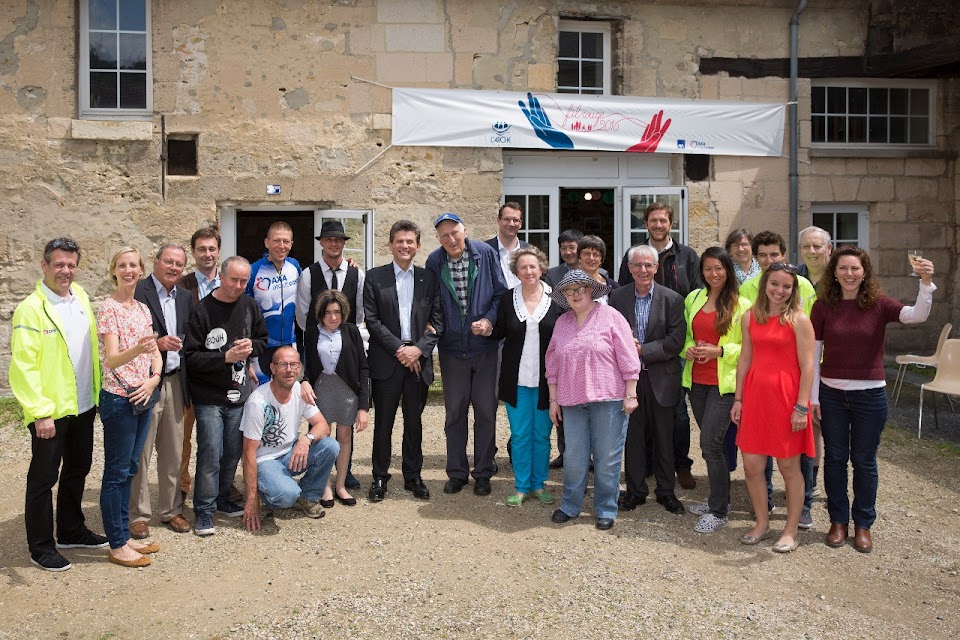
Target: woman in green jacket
[711,351]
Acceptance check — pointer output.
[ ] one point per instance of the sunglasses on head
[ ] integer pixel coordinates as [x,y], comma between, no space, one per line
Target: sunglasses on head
[64,244]
[783,266]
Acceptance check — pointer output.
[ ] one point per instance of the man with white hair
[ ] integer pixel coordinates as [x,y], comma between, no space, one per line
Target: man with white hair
[815,249]
[655,314]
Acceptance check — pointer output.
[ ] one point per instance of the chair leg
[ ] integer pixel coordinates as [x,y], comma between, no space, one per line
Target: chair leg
[936,417]
[898,384]
[920,421]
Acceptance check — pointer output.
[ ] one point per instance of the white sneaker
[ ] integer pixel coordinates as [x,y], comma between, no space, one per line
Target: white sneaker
[709,523]
[699,508]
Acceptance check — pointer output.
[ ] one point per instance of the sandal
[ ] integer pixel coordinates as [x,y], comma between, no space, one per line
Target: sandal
[544,496]
[516,499]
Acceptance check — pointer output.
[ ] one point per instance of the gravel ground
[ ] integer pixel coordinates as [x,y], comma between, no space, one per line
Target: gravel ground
[464,566]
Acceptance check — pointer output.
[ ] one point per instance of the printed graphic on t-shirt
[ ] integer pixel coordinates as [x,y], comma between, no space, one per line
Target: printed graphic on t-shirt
[273,427]
[216,339]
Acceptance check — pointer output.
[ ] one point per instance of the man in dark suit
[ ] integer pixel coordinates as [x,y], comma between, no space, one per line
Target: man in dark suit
[509,222]
[401,303]
[170,306]
[656,315]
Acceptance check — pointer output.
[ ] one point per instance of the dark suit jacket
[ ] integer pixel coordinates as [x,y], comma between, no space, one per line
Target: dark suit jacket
[381,309]
[663,340]
[513,333]
[147,294]
[352,365]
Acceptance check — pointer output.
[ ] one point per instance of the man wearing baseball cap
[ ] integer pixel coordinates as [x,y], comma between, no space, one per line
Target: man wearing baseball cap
[471,283]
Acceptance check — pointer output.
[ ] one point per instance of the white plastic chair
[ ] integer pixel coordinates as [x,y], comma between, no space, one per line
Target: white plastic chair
[947,380]
[924,361]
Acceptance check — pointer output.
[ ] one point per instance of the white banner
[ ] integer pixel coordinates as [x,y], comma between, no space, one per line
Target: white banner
[468,118]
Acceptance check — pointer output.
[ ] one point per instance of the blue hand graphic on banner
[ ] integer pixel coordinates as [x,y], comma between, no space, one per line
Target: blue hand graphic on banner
[542,126]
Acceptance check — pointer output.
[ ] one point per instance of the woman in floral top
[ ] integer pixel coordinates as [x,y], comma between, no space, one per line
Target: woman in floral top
[131,371]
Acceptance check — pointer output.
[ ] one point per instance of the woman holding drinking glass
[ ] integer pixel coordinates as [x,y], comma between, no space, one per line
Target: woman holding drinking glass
[849,319]
[131,372]
[711,350]
[525,321]
[774,377]
[339,379]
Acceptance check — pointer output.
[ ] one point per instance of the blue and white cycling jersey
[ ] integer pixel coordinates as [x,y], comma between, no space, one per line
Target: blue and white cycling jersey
[276,295]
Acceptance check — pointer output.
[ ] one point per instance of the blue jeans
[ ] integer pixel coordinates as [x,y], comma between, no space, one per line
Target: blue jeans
[124,435]
[598,429]
[276,481]
[851,423]
[219,445]
[530,438]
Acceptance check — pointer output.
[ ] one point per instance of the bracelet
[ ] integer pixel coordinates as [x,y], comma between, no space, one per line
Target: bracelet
[802,410]
[155,374]
[738,400]
[721,351]
[552,400]
[629,397]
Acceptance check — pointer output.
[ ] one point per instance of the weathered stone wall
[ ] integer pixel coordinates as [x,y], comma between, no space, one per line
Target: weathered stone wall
[268,88]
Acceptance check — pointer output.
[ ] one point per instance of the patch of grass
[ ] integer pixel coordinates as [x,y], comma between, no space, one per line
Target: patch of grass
[11,414]
[908,438]
[926,372]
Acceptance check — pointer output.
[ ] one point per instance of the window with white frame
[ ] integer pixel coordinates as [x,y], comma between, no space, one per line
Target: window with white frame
[847,224]
[583,57]
[872,113]
[536,219]
[115,59]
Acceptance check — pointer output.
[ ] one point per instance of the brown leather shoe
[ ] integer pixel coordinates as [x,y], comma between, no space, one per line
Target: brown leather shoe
[862,541]
[142,561]
[837,536]
[686,479]
[139,530]
[178,523]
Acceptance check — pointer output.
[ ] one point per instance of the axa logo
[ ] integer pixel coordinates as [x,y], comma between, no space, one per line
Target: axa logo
[265,284]
[47,332]
[500,130]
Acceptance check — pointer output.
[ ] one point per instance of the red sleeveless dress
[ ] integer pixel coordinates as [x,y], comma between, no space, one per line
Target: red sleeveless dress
[770,393]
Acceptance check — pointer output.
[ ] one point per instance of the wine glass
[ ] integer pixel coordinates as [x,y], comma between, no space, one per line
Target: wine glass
[912,256]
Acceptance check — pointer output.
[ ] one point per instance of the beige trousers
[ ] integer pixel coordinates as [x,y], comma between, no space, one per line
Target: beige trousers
[166,436]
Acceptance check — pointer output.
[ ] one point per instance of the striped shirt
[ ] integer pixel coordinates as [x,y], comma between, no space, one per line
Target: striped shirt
[641,307]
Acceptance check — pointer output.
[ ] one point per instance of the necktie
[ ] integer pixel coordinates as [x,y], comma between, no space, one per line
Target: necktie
[333,279]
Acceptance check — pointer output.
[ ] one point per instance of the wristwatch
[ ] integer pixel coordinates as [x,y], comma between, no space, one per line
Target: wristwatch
[310,436]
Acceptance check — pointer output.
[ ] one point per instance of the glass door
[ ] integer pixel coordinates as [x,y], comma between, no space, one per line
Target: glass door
[635,202]
[358,224]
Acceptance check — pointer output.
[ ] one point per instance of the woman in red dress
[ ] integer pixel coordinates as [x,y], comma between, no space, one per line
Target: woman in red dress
[771,404]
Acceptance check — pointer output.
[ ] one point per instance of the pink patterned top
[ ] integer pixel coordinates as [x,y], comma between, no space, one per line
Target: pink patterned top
[129,324]
[590,363]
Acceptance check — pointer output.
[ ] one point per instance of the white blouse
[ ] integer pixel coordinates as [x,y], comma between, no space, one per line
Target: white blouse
[529,372]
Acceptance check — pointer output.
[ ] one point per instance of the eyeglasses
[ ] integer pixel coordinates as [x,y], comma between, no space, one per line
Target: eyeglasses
[293,366]
[783,266]
[642,265]
[173,263]
[569,293]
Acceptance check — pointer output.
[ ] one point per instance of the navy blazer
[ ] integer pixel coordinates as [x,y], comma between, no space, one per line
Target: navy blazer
[146,293]
[381,309]
[663,340]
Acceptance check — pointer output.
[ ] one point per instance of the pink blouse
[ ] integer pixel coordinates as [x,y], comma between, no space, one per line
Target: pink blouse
[129,323]
[590,363]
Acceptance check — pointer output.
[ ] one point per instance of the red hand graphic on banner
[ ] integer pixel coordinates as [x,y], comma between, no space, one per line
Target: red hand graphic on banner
[652,135]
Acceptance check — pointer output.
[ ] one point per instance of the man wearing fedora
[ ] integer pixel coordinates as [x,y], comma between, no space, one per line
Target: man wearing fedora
[332,271]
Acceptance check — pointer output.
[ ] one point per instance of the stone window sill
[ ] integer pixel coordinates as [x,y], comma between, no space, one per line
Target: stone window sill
[111,130]
[886,152]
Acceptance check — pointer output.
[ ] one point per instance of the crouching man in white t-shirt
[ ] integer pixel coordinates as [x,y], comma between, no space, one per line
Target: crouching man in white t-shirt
[274,450]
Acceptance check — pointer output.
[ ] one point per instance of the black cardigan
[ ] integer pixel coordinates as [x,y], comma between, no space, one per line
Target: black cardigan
[352,365]
[513,333]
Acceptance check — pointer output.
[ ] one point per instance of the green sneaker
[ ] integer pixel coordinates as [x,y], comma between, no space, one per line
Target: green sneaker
[544,496]
[516,499]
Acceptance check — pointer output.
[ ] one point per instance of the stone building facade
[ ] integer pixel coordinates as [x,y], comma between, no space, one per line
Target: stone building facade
[275,92]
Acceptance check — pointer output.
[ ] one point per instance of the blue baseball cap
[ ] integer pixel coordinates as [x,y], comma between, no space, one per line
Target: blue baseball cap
[447,216]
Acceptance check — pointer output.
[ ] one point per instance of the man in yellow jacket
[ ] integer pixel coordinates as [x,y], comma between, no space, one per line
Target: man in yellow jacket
[55,376]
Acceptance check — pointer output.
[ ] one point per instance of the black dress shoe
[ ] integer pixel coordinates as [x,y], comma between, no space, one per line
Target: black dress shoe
[604,524]
[670,503]
[351,482]
[327,504]
[419,489]
[482,487]
[559,516]
[629,502]
[557,463]
[378,490]
[347,502]
[455,485]
[496,467]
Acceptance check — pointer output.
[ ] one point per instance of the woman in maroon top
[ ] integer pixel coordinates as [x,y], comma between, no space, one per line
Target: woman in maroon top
[849,392]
